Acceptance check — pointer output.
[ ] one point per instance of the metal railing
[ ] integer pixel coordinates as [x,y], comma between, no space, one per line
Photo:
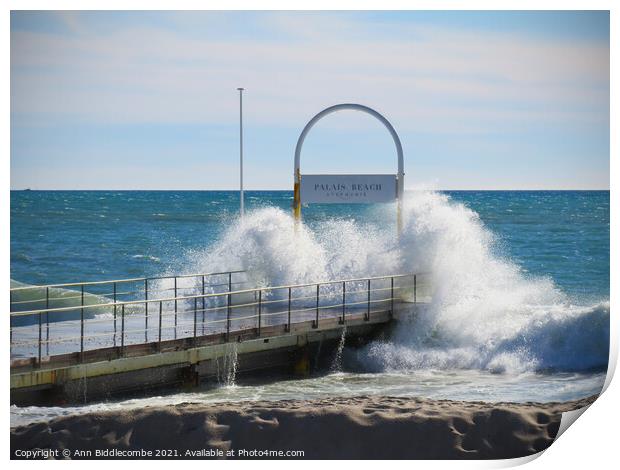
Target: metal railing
[112,285]
[121,323]
[79,295]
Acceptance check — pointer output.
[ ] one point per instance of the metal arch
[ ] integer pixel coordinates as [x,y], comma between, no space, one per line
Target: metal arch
[356,107]
[400,179]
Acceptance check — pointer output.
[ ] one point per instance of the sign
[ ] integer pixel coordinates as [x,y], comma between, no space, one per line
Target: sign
[348,189]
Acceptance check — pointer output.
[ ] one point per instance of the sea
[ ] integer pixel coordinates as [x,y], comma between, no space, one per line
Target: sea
[520,305]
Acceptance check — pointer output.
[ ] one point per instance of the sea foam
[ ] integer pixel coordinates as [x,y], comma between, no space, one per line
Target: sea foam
[486,312]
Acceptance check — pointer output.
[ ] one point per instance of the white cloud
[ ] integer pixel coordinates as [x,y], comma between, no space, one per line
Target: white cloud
[423,78]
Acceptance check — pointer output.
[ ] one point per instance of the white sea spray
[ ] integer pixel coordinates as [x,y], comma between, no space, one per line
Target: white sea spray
[485,313]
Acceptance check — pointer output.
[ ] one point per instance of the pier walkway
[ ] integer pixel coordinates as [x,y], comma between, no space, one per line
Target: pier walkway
[125,328]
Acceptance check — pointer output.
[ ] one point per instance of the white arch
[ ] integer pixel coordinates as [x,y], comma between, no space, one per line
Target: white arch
[356,107]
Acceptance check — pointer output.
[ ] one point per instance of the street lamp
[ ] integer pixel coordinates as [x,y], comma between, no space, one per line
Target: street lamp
[241,150]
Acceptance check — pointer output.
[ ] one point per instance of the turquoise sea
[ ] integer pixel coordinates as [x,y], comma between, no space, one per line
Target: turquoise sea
[62,236]
[521,304]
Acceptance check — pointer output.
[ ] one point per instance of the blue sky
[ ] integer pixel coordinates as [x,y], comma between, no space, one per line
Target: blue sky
[148,100]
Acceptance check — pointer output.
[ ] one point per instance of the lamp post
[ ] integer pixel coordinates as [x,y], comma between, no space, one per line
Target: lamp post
[241,150]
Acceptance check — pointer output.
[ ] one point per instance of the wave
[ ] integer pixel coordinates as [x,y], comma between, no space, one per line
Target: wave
[32,297]
[485,312]
[147,257]
[544,339]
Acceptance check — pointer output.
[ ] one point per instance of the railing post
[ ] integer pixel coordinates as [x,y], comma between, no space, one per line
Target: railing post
[415,289]
[229,281]
[47,321]
[82,326]
[175,308]
[392,297]
[260,300]
[146,310]
[228,302]
[344,300]
[122,329]
[203,305]
[368,306]
[288,323]
[316,322]
[160,315]
[114,297]
[195,313]
[40,336]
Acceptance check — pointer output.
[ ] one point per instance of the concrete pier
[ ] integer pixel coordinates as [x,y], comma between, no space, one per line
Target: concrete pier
[152,340]
[108,372]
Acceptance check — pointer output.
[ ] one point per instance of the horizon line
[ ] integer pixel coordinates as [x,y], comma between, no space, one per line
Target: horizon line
[290,190]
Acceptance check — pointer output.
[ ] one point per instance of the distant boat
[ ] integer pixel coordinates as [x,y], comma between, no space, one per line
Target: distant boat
[27,189]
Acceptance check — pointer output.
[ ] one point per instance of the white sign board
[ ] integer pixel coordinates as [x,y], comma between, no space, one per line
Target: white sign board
[347,188]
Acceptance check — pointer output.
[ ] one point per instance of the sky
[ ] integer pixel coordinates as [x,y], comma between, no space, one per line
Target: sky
[148,100]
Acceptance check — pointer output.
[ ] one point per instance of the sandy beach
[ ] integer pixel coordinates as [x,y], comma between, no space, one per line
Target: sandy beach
[340,428]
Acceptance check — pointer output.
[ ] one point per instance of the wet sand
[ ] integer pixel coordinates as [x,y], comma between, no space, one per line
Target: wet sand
[338,428]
